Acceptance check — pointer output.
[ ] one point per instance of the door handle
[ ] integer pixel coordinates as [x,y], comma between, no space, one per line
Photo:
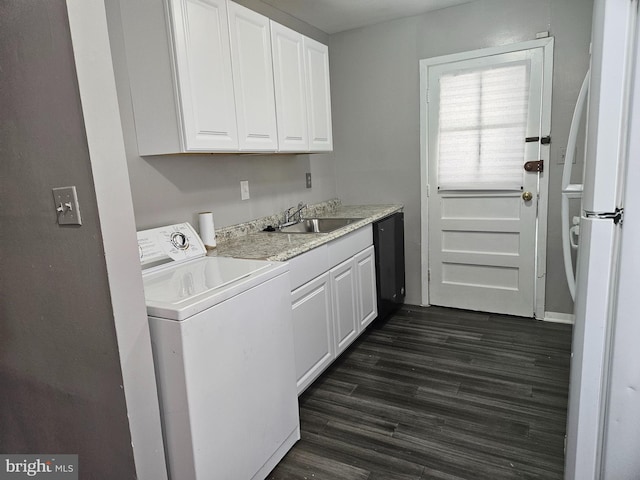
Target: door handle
[527,196]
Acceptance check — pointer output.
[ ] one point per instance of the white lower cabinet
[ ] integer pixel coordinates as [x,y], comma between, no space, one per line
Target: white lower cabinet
[365,264]
[345,311]
[312,329]
[331,310]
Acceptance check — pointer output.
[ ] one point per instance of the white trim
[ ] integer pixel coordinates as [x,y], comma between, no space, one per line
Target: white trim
[91,49]
[541,235]
[543,205]
[424,184]
[486,52]
[557,317]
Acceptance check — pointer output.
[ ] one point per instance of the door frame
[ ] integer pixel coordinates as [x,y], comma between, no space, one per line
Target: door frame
[543,186]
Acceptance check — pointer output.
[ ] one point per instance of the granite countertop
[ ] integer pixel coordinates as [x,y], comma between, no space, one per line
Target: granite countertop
[248,241]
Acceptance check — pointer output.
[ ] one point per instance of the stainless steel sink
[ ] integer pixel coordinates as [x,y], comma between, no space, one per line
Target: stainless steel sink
[318,225]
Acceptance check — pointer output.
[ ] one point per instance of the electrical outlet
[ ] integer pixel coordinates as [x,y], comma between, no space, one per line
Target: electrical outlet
[563,156]
[244,189]
[67,207]
[308,177]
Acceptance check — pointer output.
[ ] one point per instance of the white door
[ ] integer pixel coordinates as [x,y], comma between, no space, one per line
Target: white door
[203,58]
[482,203]
[251,62]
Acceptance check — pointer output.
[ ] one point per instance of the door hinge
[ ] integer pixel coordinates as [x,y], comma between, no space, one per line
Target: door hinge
[428,275]
[617,216]
[428,96]
[534,166]
[544,140]
[428,191]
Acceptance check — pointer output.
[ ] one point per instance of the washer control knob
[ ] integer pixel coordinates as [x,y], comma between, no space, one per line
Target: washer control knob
[179,240]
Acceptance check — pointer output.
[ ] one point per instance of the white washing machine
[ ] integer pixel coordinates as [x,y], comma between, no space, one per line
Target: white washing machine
[222,339]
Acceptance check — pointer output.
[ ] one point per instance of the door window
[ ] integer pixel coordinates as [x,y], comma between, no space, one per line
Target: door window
[482,124]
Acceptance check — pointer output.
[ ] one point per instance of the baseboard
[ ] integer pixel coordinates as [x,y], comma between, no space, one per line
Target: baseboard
[556,317]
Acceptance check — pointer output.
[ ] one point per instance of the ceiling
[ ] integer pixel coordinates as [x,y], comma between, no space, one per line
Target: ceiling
[333,16]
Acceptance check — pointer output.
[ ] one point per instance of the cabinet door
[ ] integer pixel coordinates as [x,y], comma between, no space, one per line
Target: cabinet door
[312,330]
[252,67]
[366,274]
[345,313]
[203,68]
[290,89]
[318,95]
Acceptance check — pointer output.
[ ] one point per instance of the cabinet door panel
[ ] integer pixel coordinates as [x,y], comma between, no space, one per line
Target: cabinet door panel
[318,95]
[253,79]
[290,89]
[366,272]
[312,330]
[345,314]
[205,86]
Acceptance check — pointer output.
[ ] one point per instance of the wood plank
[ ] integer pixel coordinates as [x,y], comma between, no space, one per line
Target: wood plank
[436,393]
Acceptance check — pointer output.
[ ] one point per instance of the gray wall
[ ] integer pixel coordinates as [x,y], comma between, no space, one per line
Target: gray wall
[174,188]
[375,101]
[60,376]
[285,19]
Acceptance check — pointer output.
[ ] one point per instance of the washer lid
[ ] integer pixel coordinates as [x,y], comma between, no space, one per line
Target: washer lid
[182,290]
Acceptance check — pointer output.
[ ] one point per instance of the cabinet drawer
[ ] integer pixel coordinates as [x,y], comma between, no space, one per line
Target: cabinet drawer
[347,246]
[309,265]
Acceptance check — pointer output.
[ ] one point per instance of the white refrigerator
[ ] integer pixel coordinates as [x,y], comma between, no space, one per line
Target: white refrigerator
[603,424]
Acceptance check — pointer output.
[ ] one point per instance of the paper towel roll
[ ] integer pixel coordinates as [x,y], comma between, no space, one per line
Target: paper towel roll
[207,230]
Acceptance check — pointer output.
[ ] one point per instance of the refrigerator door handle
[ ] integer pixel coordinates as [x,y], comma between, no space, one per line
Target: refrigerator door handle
[617,216]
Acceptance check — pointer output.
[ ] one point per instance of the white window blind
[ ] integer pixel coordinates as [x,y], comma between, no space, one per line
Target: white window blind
[482,128]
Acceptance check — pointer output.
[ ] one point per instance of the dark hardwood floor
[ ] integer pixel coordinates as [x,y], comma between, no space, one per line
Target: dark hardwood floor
[435,393]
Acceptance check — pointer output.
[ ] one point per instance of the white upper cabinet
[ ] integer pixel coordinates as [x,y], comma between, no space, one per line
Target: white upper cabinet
[214,76]
[205,87]
[303,96]
[318,95]
[290,88]
[179,65]
[252,67]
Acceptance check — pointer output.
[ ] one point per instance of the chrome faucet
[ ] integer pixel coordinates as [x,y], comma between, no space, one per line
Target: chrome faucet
[289,218]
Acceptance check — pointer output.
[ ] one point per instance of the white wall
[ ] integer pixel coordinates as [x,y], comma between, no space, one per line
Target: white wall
[375,80]
[174,188]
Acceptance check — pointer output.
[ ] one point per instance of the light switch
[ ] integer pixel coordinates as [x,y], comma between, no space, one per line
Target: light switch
[66,205]
[308,179]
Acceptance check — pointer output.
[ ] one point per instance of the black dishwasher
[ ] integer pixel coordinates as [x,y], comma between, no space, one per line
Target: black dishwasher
[388,240]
